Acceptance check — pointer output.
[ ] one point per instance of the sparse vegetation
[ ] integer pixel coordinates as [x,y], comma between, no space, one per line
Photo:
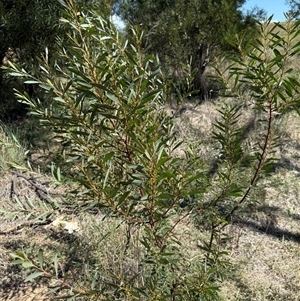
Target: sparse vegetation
[12,151]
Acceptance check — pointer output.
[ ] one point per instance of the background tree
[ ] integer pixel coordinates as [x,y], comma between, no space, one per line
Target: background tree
[294,7]
[27,28]
[32,25]
[189,31]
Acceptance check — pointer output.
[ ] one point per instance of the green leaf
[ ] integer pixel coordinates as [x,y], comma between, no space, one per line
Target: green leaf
[60,100]
[27,265]
[58,174]
[17,74]
[44,69]
[33,276]
[18,261]
[165,196]
[113,97]
[46,87]
[123,197]
[108,156]
[55,261]
[41,258]
[138,175]
[31,82]
[19,254]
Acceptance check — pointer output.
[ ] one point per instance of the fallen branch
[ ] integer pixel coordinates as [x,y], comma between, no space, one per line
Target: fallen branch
[41,192]
[26,224]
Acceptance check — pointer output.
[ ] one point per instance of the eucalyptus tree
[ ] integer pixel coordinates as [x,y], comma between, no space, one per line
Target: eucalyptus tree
[294,7]
[190,31]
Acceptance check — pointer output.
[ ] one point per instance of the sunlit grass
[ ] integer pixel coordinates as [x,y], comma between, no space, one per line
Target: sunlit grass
[12,148]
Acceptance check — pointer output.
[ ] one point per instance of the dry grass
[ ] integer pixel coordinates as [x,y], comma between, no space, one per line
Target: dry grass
[11,150]
[264,246]
[265,249]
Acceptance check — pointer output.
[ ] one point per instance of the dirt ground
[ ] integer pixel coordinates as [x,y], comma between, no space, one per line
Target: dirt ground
[24,231]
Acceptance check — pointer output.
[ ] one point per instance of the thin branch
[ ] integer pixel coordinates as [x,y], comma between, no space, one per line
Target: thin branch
[15,229]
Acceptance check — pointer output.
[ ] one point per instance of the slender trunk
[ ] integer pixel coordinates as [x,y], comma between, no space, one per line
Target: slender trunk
[2,55]
[199,63]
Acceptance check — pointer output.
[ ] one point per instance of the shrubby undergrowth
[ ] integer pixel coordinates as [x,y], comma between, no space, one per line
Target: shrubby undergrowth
[106,105]
[12,151]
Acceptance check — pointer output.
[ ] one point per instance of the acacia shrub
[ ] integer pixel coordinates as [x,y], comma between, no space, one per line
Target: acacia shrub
[107,104]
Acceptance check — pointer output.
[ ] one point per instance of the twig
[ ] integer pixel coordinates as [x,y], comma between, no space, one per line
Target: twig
[42,193]
[26,224]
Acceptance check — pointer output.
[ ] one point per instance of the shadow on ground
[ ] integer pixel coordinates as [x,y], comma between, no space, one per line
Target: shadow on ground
[269,223]
[12,277]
